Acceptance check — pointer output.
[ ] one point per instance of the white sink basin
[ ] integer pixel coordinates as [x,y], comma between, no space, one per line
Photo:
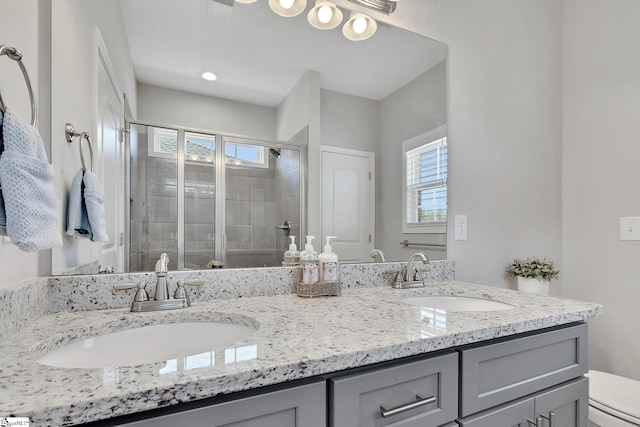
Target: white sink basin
[147,344]
[458,303]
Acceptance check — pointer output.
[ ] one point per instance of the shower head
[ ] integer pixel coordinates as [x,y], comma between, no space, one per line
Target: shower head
[275,152]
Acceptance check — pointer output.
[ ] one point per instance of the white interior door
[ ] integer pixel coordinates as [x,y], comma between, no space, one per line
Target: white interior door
[348,201]
[109,162]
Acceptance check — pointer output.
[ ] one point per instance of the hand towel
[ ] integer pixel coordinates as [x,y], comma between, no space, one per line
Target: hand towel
[85,212]
[29,215]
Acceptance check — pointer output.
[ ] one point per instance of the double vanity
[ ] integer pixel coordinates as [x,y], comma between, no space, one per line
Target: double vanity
[481,355]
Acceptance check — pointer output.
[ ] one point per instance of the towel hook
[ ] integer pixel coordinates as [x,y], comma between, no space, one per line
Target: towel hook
[16,55]
[71,133]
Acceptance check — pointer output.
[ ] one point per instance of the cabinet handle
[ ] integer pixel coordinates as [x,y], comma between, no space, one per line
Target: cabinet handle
[551,418]
[422,401]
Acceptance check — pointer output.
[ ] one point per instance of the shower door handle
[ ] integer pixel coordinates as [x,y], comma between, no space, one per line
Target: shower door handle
[286,227]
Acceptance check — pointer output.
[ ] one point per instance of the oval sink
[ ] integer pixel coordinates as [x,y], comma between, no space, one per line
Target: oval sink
[458,303]
[147,344]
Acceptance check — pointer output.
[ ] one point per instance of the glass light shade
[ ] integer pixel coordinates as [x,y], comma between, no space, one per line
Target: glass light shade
[359,27]
[288,8]
[324,15]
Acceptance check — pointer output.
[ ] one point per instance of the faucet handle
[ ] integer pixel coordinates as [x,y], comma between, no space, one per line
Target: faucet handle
[181,292]
[398,276]
[141,294]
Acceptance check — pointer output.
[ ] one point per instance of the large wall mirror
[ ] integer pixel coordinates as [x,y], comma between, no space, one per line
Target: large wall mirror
[303,132]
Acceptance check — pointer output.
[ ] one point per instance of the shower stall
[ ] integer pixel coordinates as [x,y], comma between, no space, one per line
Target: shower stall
[210,200]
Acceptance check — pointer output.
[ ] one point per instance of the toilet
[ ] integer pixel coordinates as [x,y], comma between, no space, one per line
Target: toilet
[614,401]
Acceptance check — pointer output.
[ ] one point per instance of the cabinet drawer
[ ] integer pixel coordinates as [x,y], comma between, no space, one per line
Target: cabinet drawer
[303,406]
[431,385]
[497,373]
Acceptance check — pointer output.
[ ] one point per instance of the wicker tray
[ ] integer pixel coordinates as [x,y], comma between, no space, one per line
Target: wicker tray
[321,289]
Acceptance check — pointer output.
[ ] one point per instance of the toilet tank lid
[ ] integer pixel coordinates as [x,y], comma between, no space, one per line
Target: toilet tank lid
[618,393]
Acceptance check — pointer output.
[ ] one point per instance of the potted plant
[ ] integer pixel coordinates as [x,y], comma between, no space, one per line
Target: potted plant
[533,275]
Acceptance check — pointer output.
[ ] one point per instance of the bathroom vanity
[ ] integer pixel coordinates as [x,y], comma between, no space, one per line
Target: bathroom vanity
[340,361]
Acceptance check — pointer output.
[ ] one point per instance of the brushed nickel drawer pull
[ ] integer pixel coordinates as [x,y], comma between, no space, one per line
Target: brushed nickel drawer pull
[422,401]
[551,418]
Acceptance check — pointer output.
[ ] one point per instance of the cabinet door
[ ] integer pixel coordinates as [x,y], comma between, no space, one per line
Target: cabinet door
[303,406]
[564,406]
[514,414]
[416,394]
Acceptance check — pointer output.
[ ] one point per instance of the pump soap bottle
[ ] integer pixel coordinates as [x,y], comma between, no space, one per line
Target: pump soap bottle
[309,263]
[292,256]
[328,262]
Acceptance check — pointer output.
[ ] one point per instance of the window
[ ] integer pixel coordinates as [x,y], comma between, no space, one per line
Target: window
[242,154]
[425,190]
[199,147]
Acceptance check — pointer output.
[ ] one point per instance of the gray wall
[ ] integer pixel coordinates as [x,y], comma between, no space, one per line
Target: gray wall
[203,112]
[415,108]
[72,86]
[22,34]
[601,174]
[349,121]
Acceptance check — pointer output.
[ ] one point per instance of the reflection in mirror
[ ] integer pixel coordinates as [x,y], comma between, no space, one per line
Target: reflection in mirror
[186,185]
[244,153]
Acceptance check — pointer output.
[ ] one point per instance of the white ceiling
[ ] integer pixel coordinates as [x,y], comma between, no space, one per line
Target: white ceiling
[259,56]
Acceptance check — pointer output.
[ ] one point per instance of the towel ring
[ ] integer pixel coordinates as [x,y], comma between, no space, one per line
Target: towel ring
[16,55]
[71,133]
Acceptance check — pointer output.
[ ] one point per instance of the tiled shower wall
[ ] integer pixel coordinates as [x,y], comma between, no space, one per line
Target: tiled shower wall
[287,184]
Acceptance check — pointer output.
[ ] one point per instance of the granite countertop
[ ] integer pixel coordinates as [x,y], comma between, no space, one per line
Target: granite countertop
[297,338]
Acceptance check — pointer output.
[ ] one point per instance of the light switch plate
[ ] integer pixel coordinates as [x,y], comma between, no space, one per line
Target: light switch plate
[630,228]
[460,227]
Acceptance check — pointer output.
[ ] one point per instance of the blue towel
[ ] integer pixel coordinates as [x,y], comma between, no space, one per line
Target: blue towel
[28,212]
[85,212]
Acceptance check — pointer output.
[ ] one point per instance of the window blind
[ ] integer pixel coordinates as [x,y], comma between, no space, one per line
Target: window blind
[426,169]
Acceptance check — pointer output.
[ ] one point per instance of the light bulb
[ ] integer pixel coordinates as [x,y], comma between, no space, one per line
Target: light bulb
[325,13]
[359,25]
[286,4]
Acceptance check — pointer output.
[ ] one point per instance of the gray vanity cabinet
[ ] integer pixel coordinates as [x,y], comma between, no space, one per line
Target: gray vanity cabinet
[495,373]
[303,406]
[562,406]
[543,370]
[422,393]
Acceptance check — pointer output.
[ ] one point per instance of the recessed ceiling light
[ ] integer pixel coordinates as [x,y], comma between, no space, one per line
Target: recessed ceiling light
[208,75]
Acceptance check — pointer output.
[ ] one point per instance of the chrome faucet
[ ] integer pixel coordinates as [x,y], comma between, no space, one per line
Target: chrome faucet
[161,299]
[411,276]
[379,253]
[413,273]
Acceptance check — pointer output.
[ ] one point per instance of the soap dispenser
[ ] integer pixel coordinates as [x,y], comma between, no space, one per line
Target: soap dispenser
[328,262]
[309,263]
[292,256]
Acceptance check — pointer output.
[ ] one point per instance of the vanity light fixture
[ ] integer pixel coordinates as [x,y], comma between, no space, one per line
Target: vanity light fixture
[208,75]
[246,1]
[288,8]
[384,6]
[359,27]
[324,15]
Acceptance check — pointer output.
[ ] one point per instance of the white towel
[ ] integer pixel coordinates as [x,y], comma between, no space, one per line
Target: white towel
[85,212]
[29,214]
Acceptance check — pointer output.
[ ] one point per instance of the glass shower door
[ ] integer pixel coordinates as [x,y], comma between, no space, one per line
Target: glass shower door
[262,201]
[199,201]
